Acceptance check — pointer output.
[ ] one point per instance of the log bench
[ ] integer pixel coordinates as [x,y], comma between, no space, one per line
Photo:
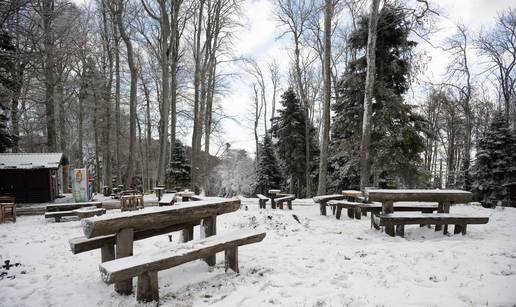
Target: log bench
[288,199]
[167,199]
[57,211]
[324,199]
[262,200]
[81,213]
[400,219]
[146,267]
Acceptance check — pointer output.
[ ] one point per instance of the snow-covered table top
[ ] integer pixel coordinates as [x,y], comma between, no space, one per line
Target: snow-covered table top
[382,195]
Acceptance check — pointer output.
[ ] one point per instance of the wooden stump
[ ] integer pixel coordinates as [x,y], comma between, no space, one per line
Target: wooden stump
[124,248]
[208,229]
[231,259]
[388,207]
[147,287]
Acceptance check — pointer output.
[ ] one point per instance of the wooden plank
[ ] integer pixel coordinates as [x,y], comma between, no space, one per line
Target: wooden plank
[431,218]
[157,217]
[83,244]
[456,196]
[121,269]
[326,198]
[55,214]
[72,206]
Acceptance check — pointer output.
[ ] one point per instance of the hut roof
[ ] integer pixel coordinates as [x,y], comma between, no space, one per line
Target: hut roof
[31,160]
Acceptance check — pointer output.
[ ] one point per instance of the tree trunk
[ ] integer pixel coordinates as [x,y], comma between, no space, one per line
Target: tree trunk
[365,150]
[118,132]
[323,162]
[48,42]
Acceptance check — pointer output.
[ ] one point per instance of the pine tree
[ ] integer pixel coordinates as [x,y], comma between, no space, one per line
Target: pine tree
[395,140]
[496,162]
[289,130]
[267,172]
[178,172]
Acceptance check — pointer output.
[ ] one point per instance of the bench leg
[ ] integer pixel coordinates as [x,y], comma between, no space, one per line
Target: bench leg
[273,203]
[351,213]
[364,213]
[289,205]
[464,229]
[358,213]
[187,234]
[147,287]
[124,248]
[208,229]
[334,209]
[388,207]
[322,208]
[231,257]
[280,204]
[400,230]
[57,219]
[107,252]
[339,212]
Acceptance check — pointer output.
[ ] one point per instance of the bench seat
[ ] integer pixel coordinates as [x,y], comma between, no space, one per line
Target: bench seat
[262,200]
[72,206]
[57,215]
[400,219]
[324,199]
[146,266]
[288,199]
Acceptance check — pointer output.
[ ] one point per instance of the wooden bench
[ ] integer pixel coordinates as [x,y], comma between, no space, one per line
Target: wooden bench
[57,211]
[262,200]
[89,212]
[288,199]
[131,202]
[324,199]
[146,267]
[400,219]
[167,199]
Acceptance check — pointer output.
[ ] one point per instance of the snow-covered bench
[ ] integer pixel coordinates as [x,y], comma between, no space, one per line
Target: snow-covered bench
[167,199]
[285,199]
[324,199]
[400,219]
[146,267]
[262,200]
[57,211]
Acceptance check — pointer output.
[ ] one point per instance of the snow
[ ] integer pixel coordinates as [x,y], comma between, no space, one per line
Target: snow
[320,261]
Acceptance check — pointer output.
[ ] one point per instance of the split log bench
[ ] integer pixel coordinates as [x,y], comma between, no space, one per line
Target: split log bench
[57,211]
[444,198]
[114,234]
[285,199]
[167,199]
[324,199]
[262,200]
[146,267]
[400,219]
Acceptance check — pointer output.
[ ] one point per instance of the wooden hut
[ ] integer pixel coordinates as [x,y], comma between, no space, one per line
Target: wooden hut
[32,177]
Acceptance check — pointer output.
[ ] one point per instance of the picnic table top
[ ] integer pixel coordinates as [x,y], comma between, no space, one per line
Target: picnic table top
[353,193]
[418,195]
[158,217]
[274,191]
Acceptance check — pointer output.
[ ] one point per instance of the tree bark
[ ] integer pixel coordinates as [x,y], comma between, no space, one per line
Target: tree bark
[48,43]
[323,162]
[365,150]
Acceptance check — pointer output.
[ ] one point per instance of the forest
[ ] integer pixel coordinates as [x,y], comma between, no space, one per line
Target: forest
[137,91]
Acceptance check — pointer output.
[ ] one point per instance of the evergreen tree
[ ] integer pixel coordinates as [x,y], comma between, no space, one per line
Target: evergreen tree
[267,173]
[496,162]
[396,142]
[289,130]
[178,172]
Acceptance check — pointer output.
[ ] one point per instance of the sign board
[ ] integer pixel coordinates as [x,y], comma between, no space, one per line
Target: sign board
[80,185]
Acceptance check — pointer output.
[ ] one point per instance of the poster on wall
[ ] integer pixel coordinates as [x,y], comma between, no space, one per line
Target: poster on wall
[80,185]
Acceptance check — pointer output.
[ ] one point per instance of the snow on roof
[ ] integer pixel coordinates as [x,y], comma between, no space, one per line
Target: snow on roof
[30,160]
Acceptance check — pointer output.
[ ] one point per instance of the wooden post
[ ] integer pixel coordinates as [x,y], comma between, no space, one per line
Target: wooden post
[273,203]
[280,204]
[107,252]
[124,248]
[358,213]
[147,287]
[339,212]
[388,207]
[289,204]
[446,210]
[457,229]
[187,233]
[208,229]
[351,213]
[464,229]
[231,259]
[400,230]
[322,207]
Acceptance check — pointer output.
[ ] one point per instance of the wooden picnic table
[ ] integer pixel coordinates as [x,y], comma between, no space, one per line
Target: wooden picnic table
[128,226]
[443,197]
[159,191]
[275,193]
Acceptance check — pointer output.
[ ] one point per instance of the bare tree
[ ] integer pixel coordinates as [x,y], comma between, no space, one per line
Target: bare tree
[365,150]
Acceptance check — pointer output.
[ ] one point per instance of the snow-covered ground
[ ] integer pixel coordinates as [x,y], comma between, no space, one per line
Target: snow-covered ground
[318,262]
